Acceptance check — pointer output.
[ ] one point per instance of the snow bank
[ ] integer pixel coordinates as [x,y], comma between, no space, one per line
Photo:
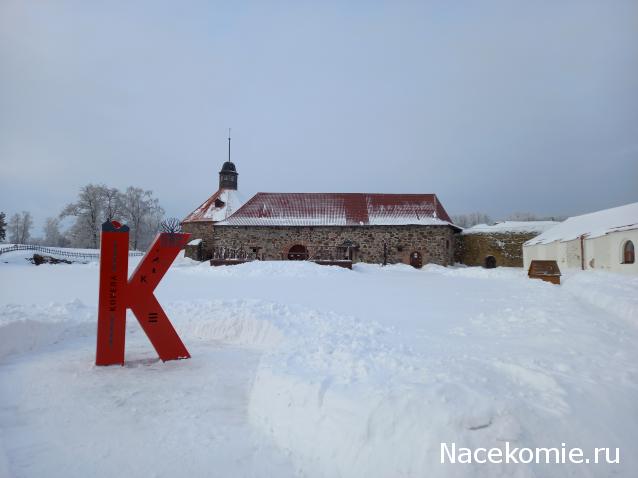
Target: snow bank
[351,398]
[501,273]
[616,294]
[273,269]
[240,322]
[180,261]
[350,373]
[29,328]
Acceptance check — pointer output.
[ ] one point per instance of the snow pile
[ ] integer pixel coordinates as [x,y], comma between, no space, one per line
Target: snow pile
[499,273]
[270,269]
[606,291]
[591,225]
[515,227]
[180,261]
[248,323]
[28,328]
[355,398]
[299,369]
[62,417]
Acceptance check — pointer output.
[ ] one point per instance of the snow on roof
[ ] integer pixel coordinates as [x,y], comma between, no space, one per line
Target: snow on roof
[590,225]
[217,207]
[519,227]
[339,209]
[194,242]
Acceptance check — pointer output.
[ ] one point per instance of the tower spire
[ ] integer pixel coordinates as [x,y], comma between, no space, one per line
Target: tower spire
[228,174]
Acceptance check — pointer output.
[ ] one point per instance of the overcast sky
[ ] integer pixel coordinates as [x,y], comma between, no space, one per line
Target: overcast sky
[494,106]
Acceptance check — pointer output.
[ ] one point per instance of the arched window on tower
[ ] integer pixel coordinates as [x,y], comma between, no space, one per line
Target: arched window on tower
[629,255]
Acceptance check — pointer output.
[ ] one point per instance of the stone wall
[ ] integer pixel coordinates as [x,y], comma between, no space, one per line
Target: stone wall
[507,248]
[203,231]
[435,243]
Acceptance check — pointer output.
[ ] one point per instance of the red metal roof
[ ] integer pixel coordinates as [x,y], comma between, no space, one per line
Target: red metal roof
[339,209]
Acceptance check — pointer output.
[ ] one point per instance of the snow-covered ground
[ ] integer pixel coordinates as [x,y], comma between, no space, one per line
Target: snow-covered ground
[306,370]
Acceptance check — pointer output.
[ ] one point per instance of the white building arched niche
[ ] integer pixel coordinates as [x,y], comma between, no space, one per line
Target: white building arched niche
[601,253]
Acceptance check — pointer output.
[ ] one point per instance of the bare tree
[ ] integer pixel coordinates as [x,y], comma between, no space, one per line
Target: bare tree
[98,203]
[112,203]
[20,227]
[90,211]
[522,216]
[171,225]
[143,214]
[529,216]
[52,234]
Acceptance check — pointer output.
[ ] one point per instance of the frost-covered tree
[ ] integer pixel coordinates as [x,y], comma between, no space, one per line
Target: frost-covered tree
[3,226]
[112,199]
[471,219]
[529,216]
[52,235]
[522,216]
[20,227]
[97,203]
[143,214]
[89,213]
[171,225]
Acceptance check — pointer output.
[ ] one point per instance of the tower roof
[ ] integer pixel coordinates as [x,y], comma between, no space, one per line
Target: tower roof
[228,167]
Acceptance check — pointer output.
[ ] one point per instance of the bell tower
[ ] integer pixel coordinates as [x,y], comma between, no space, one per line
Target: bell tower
[228,174]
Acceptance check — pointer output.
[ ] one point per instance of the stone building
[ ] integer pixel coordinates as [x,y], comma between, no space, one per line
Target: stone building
[377,228]
[499,244]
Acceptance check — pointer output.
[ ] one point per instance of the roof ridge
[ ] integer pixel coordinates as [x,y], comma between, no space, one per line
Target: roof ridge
[268,208]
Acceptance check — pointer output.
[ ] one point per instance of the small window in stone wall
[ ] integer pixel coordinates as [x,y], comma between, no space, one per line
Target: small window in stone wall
[447,244]
[629,255]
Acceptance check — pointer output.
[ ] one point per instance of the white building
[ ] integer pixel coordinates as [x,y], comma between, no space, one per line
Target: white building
[604,240]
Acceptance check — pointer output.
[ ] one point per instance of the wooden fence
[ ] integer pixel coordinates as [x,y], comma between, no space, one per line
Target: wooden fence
[58,252]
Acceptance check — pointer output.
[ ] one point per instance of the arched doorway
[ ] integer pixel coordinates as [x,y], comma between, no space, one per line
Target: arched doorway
[490,262]
[416,260]
[298,252]
[629,254]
